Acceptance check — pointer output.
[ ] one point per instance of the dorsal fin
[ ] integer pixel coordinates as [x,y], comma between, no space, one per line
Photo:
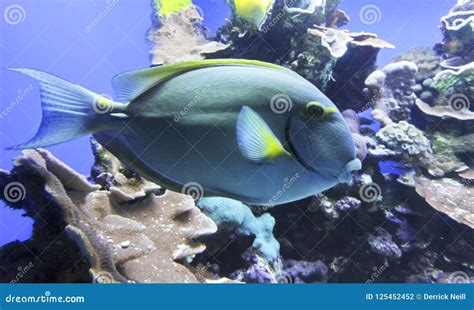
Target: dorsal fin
[130,85]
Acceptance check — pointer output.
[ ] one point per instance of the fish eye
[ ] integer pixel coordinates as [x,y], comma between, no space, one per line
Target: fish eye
[315,110]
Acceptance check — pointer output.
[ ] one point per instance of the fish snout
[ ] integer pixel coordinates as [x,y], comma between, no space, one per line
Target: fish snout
[346,175]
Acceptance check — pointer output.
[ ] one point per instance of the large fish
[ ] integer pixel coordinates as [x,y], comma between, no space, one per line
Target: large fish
[215,124]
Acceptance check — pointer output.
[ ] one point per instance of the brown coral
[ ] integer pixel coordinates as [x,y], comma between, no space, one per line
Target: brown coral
[341,38]
[124,240]
[448,196]
[181,37]
[444,111]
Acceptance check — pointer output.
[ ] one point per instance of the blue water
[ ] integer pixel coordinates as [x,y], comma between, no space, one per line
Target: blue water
[61,37]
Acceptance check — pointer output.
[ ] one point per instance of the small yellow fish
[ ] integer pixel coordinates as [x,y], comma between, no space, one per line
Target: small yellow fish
[168,7]
[254,11]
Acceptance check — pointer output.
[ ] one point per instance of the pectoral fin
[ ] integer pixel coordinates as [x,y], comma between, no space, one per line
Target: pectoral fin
[256,140]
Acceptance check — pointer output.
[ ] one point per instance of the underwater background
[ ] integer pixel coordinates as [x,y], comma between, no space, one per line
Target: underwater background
[339,236]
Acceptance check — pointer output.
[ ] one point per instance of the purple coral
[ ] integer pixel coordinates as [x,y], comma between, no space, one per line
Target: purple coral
[347,204]
[259,271]
[383,244]
[305,272]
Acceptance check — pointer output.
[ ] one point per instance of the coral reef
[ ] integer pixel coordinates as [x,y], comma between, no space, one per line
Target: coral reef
[233,216]
[393,89]
[337,41]
[448,196]
[125,237]
[304,272]
[177,34]
[457,32]
[289,37]
[258,271]
[383,244]
[407,216]
[405,139]
[444,111]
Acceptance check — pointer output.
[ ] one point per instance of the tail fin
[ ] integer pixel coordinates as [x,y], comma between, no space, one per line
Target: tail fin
[69,110]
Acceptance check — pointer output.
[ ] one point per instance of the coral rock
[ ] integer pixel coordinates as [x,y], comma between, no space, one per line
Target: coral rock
[137,240]
[448,196]
[405,139]
[305,272]
[232,215]
[393,89]
[383,244]
[181,37]
[336,41]
[444,111]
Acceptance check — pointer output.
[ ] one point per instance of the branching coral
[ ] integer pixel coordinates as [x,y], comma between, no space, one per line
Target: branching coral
[231,215]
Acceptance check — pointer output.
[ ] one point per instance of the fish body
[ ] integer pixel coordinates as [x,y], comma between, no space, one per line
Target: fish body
[211,124]
[254,11]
